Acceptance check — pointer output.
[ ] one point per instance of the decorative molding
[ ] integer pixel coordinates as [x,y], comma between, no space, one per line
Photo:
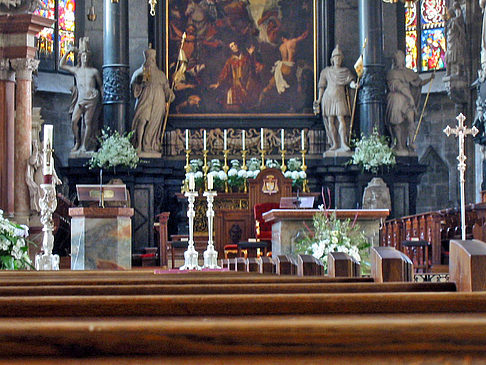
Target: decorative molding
[372,89]
[24,67]
[116,85]
[6,73]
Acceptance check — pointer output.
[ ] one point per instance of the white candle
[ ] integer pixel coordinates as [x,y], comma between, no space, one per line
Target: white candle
[303,145]
[261,138]
[210,182]
[48,160]
[225,141]
[204,139]
[187,139]
[192,183]
[282,139]
[243,134]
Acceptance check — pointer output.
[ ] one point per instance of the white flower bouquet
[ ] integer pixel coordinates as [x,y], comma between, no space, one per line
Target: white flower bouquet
[13,246]
[372,152]
[295,172]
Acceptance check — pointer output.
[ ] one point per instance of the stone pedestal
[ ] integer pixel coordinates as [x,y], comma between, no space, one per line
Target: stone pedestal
[101,238]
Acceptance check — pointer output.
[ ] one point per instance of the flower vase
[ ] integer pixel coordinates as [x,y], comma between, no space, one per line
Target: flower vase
[376,195]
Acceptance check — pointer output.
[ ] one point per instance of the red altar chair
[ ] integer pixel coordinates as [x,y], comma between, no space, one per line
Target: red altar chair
[263,229]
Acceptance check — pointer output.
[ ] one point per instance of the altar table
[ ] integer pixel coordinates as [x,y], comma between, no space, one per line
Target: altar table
[287,225]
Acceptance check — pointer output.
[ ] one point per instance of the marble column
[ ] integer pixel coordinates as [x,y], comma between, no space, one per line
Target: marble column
[116,78]
[372,94]
[23,134]
[7,133]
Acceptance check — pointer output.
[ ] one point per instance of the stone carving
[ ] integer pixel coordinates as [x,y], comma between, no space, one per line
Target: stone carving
[376,195]
[482,4]
[334,102]
[456,41]
[115,85]
[86,99]
[20,6]
[404,90]
[151,89]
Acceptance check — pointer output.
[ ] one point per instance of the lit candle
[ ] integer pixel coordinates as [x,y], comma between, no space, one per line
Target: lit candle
[261,138]
[187,139]
[282,139]
[204,139]
[303,145]
[192,183]
[210,182]
[48,161]
[243,134]
[225,141]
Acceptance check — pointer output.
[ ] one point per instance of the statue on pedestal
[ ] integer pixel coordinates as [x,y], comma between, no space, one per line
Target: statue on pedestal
[86,98]
[151,89]
[404,89]
[334,101]
[456,41]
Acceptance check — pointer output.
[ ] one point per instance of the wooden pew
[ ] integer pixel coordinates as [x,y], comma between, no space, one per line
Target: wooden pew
[467,264]
[340,264]
[388,264]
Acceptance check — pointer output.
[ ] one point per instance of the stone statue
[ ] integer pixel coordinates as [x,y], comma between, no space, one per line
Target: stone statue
[86,102]
[456,41]
[20,6]
[482,4]
[334,101]
[404,88]
[151,89]
[34,176]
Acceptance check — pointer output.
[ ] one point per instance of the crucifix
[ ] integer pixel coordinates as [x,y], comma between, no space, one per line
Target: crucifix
[461,131]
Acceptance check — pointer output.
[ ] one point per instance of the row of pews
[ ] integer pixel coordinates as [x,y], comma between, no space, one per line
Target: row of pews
[234,317]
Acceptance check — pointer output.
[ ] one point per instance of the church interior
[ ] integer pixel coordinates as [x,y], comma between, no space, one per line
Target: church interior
[234,181]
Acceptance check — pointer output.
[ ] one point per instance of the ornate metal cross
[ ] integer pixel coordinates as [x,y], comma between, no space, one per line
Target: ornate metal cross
[461,131]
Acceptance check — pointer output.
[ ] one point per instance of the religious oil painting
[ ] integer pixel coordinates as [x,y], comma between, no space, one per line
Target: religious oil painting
[241,57]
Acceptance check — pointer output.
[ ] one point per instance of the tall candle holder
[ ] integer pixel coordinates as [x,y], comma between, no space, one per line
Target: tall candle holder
[205,169]
[305,186]
[262,153]
[283,167]
[191,255]
[187,168]
[225,169]
[244,167]
[210,255]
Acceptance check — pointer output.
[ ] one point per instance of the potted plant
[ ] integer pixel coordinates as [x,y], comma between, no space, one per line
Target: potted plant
[13,246]
[373,153]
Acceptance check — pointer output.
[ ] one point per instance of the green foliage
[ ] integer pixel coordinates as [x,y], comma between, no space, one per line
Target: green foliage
[116,150]
[295,172]
[13,246]
[372,152]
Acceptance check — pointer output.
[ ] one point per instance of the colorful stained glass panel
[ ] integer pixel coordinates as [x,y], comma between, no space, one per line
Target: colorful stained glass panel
[410,18]
[433,49]
[432,13]
[67,10]
[411,50]
[66,39]
[48,11]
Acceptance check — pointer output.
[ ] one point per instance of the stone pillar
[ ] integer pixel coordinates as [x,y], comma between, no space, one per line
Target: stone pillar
[7,133]
[373,83]
[23,134]
[116,77]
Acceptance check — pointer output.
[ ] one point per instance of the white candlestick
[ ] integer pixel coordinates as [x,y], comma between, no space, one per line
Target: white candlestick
[204,139]
[187,139]
[192,183]
[261,138]
[282,139]
[225,141]
[210,182]
[243,135]
[303,144]
[48,160]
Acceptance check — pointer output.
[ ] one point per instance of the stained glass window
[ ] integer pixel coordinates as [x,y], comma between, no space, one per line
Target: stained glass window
[424,35]
[53,42]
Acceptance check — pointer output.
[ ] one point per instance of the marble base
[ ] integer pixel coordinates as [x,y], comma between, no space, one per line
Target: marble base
[101,238]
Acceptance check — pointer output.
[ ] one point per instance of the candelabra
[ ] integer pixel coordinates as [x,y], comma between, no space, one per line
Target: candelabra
[305,187]
[283,167]
[205,169]
[48,204]
[210,255]
[262,153]
[225,169]
[187,168]
[191,255]
[244,167]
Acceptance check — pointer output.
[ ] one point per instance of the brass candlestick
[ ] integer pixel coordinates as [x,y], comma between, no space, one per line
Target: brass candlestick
[225,169]
[187,168]
[283,167]
[244,167]
[205,169]
[262,153]
[305,187]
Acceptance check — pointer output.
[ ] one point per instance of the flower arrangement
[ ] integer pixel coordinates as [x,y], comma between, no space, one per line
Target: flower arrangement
[331,234]
[115,150]
[373,152]
[236,176]
[13,247]
[295,172]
